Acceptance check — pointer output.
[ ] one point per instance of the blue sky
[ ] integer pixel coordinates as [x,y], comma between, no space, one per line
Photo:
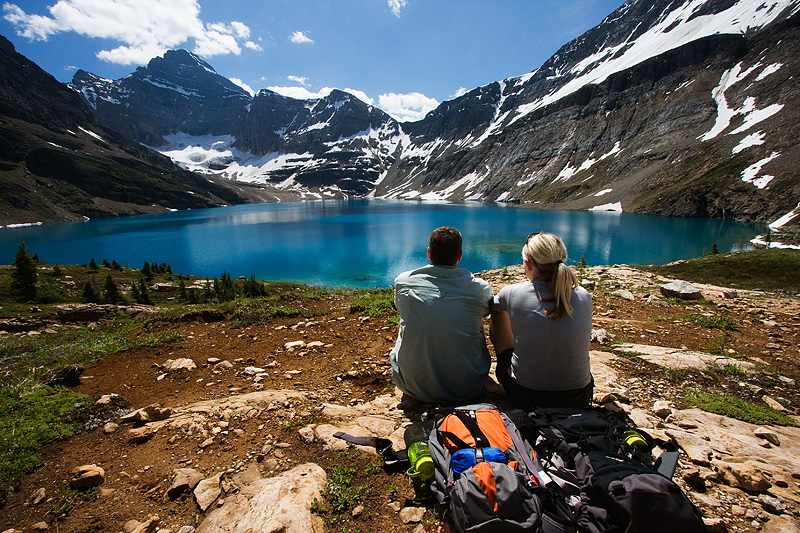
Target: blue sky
[404,56]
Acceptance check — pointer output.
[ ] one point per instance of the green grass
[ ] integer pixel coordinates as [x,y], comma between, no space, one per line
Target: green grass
[27,421]
[27,361]
[375,303]
[726,405]
[769,269]
[714,322]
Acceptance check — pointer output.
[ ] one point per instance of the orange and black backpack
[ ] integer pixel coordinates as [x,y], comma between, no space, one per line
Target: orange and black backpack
[481,478]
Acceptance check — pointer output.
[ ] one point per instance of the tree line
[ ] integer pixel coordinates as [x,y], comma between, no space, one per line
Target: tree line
[28,286]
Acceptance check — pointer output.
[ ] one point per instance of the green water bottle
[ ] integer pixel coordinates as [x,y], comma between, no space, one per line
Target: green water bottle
[639,448]
[416,439]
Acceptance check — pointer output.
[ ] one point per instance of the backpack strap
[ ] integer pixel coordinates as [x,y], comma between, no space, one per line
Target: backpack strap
[470,421]
[392,461]
[531,463]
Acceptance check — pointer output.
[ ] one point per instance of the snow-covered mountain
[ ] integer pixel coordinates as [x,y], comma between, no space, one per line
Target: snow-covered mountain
[677,107]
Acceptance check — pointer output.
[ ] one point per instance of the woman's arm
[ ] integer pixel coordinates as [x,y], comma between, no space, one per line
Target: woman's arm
[500,331]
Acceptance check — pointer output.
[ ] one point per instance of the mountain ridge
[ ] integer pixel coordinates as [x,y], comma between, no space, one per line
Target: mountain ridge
[669,108]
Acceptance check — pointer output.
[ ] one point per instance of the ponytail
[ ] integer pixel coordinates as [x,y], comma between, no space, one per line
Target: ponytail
[564,281]
[548,253]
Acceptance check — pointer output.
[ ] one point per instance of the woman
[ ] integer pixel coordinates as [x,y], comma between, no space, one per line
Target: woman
[541,330]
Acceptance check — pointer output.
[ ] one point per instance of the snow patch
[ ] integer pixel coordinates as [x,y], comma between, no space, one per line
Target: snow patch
[725,114]
[750,174]
[785,219]
[676,28]
[769,69]
[615,207]
[603,192]
[754,139]
[90,133]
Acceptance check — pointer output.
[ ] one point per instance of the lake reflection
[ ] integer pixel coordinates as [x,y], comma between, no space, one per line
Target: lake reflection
[364,243]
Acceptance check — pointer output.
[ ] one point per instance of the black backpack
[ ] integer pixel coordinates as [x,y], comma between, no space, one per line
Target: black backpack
[604,473]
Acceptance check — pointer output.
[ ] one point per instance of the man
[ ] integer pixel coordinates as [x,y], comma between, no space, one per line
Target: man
[441,354]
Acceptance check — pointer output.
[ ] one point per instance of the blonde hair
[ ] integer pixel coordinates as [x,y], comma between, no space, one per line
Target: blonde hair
[548,254]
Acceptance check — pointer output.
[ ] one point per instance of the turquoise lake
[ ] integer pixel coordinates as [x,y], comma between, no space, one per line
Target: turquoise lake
[364,243]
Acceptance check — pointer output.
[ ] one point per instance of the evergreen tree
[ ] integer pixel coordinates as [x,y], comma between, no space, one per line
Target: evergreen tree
[115,265]
[714,250]
[224,289]
[143,291]
[135,294]
[193,297]
[93,267]
[111,291]
[182,290]
[90,294]
[23,278]
[252,288]
[581,269]
[36,258]
[147,272]
[106,263]
[57,273]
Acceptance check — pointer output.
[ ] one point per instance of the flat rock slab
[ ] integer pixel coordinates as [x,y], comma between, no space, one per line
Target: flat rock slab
[677,358]
[272,505]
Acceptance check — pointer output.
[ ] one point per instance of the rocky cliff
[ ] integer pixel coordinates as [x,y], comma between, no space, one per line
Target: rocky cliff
[57,162]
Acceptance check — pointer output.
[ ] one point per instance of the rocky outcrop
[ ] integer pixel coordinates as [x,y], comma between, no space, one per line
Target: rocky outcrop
[177,92]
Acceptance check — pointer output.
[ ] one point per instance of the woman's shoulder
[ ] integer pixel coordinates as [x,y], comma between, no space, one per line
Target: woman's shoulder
[516,287]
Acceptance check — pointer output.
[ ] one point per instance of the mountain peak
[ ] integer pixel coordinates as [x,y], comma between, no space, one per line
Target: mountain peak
[182,57]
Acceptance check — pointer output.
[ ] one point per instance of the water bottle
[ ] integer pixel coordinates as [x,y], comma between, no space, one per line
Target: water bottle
[639,448]
[416,439]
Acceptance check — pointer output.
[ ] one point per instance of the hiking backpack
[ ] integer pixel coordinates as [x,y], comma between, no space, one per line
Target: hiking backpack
[605,474]
[481,477]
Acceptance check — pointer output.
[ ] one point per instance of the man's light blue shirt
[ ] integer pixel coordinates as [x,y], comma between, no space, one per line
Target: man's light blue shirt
[441,354]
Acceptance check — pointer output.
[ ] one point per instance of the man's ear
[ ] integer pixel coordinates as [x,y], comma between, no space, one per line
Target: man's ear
[460,256]
[429,254]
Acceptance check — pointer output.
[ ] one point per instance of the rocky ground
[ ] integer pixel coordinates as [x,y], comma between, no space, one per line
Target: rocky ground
[234,428]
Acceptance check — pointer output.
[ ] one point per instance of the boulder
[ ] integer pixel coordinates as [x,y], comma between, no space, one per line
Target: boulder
[183,480]
[140,435]
[681,289]
[172,365]
[87,477]
[747,475]
[207,491]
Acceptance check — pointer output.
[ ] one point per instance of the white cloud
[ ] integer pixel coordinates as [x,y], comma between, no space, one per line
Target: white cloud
[361,95]
[243,85]
[301,93]
[407,107]
[396,6]
[253,46]
[302,80]
[460,92]
[142,28]
[300,37]
[214,43]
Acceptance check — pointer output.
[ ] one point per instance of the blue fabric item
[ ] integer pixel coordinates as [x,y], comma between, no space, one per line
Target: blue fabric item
[465,458]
